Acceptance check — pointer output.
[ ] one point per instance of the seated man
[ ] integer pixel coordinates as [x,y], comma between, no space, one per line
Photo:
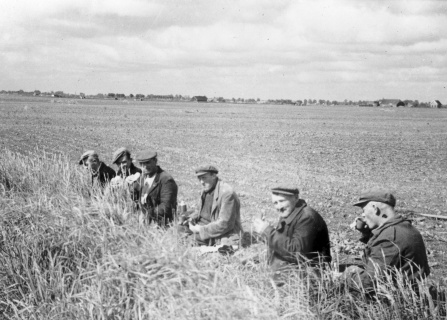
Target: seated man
[392,243]
[301,234]
[101,173]
[155,190]
[218,220]
[123,160]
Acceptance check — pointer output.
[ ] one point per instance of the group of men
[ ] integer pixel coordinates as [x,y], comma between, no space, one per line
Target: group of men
[300,236]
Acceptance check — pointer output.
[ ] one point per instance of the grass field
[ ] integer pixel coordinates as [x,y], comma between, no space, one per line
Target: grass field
[330,153]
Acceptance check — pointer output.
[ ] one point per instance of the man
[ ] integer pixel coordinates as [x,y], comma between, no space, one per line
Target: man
[392,243]
[301,234]
[218,220]
[155,190]
[101,173]
[123,160]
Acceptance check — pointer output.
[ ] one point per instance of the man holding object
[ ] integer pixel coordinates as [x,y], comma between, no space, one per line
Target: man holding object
[392,243]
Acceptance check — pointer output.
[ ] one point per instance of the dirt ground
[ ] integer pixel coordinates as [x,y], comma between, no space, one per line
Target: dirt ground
[330,153]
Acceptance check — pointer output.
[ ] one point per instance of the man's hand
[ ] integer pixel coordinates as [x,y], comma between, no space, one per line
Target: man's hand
[194,228]
[360,225]
[260,225]
[132,178]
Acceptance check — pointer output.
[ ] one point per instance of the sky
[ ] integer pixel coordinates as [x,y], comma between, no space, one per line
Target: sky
[275,49]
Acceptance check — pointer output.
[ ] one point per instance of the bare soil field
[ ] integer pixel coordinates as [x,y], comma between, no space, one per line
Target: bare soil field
[330,153]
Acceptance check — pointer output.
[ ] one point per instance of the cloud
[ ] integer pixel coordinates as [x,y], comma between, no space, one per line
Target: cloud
[226,47]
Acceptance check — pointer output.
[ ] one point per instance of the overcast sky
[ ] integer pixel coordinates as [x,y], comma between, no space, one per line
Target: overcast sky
[318,49]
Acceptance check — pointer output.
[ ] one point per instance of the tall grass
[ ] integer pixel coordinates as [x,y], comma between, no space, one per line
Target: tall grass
[70,252]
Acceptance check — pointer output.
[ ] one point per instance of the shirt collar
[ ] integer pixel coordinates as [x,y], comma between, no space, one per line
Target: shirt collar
[298,207]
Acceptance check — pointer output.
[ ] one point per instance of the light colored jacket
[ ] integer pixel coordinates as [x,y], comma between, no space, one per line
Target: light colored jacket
[225,216]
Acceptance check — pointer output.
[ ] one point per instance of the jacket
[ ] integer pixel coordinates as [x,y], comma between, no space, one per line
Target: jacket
[225,216]
[103,175]
[159,201]
[302,236]
[394,245]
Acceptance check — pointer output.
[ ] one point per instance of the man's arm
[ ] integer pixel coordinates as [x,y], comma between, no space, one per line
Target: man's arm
[384,254]
[227,218]
[301,241]
[168,197]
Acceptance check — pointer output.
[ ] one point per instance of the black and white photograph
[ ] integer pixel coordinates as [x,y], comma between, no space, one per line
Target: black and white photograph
[223,159]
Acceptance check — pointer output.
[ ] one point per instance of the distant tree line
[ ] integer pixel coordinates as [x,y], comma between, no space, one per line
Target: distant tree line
[178,97]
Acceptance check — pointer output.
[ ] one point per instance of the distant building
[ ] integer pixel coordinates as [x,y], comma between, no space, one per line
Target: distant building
[391,103]
[435,104]
[199,99]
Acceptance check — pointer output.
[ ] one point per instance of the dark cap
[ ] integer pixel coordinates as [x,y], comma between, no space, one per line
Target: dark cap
[146,155]
[376,195]
[287,190]
[206,169]
[88,154]
[119,153]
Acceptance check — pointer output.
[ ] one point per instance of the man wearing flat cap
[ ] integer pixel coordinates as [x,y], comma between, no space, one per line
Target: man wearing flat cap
[301,235]
[123,159]
[155,190]
[392,243]
[101,173]
[218,220]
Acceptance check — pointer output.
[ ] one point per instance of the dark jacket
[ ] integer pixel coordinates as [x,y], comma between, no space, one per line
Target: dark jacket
[302,236]
[161,197]
[225,222]
[395,245]
[132,170]
[103,175]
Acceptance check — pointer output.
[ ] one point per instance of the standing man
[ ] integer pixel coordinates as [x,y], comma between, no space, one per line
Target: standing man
[392,243]
[218,219]
[301,234]
[101,173]
[123,160]
[156,190]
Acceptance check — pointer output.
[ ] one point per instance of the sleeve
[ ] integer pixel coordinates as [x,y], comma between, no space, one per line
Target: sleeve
[168,197]
[226,220]
[384,254]
[301,242]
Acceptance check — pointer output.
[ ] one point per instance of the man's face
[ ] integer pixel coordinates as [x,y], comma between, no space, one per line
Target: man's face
[370,215]
[124,162]
[92,163]
[284,204]
[150,166]
[208,181]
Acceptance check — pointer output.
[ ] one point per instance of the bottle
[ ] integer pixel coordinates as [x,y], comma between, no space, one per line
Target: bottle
[182,207]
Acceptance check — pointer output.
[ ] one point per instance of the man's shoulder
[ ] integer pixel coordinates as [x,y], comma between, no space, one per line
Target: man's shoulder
[225,188]
[165,176]
[106,168]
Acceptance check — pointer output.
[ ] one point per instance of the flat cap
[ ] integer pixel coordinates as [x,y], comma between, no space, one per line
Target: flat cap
[145,155]
[119,153]
[287,190]
[87,154]
[375,195]
[206,169]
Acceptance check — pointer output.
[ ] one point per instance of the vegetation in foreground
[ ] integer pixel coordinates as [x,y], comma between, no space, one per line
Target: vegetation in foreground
[70,253]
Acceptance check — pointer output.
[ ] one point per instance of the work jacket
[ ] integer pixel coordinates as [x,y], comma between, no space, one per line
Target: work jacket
[225,225]
[159,201]
[103,175]
[301,237]
[396,245]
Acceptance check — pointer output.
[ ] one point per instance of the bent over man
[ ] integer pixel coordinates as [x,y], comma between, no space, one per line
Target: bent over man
[155,190]
[218,220]
[301,234]
[101,173]
[392,243]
